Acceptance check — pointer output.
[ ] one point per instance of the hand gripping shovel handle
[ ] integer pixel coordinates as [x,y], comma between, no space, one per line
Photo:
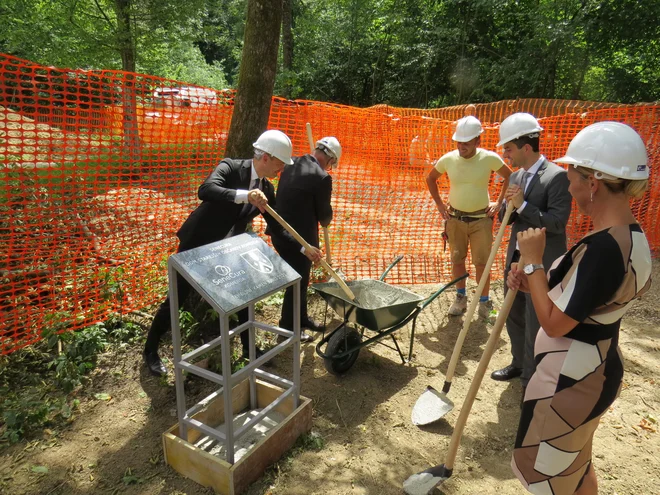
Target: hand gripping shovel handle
[426,480]
[473,303]
[307,247]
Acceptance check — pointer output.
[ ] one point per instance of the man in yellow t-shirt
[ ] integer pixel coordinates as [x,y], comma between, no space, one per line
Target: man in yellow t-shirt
[469,212]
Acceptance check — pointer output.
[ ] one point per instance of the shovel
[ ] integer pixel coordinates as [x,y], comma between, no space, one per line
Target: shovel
[433,405]
[307,246]
[423,482]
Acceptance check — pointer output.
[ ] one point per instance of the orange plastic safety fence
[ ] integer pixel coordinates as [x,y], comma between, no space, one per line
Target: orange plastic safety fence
[98,169]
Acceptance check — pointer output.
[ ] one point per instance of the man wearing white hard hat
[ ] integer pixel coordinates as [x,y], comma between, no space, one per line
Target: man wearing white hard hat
[304,192]
[469,212]
[539,192]
[232,195]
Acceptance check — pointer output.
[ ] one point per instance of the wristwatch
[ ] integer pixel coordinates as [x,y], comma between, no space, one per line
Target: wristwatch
[531,268]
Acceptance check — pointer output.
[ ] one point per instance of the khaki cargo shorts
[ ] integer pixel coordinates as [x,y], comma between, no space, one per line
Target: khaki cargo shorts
[478,234]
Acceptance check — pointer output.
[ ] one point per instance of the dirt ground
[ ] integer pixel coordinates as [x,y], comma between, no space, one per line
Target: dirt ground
[369,445]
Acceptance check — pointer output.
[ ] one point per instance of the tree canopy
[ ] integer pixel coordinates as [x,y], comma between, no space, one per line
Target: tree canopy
[418,53]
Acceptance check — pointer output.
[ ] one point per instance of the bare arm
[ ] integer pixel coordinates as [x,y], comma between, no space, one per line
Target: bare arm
[505,172]
[431,183]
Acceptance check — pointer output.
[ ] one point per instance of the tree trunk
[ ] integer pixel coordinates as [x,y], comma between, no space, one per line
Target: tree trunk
[256,78]
[287,44]
[127,50]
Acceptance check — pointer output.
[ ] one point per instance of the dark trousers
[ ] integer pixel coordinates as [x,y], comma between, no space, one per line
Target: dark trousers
[522,325]
[163,322]
[302,266]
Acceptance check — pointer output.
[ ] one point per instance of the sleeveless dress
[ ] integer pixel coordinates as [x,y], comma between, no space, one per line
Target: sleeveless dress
[579,375]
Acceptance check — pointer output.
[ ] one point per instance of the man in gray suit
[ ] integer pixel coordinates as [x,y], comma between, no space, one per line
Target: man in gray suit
[539,191]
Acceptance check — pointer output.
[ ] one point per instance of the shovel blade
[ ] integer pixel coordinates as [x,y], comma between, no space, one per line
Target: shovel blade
[430,407]
[424,482]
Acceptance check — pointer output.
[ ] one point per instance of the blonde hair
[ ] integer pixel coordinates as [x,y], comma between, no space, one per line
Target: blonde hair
[631,188]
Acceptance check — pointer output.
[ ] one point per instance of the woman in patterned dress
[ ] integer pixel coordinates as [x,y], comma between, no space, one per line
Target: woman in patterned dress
[580,306]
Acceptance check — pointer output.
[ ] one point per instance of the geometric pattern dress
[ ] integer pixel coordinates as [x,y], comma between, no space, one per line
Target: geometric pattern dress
[579,375]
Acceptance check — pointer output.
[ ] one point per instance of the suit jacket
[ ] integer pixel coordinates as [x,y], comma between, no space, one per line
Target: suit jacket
[548,205]
[303,199]
[212,220]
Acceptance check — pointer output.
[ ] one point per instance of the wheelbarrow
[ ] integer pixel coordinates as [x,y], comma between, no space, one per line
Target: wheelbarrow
[378,307]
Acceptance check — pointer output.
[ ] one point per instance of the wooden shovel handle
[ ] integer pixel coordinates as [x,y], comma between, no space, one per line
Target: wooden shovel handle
[309,137]
[307,247]
[326,240]
[477,379]
[473,303]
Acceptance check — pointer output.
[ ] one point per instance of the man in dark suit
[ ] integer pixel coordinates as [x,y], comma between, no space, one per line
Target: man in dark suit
[539,191]
[232,195]
[303,200]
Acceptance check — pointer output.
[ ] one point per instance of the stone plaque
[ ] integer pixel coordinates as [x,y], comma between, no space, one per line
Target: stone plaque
[235,271]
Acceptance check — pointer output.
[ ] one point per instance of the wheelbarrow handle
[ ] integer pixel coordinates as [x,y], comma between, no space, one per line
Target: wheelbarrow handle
[392,265]
[442,289]
[308,247]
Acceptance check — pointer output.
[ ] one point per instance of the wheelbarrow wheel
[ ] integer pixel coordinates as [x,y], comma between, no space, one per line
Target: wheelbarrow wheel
[341,340]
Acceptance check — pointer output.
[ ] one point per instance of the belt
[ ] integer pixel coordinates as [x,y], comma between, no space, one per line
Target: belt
[467,216]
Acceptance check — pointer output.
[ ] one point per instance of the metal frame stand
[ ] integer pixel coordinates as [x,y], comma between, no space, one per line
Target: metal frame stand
[227,380]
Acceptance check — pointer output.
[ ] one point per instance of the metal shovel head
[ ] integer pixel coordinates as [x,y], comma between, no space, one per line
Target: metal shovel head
[424,482]
[430,407]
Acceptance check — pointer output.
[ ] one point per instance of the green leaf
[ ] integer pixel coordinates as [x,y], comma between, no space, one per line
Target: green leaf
[40,469]
[103,396]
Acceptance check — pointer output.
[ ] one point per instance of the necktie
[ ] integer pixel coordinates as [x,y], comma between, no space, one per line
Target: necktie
[525,177]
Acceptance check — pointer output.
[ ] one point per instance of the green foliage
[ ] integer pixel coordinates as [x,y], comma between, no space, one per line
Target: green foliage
[78,356]
[361,52]
[37,384]
[29,401]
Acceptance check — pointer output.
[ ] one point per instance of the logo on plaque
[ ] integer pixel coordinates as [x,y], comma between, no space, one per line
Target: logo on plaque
[222,270]
[258,260]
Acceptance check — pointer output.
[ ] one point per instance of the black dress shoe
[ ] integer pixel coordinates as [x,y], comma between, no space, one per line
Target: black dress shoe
[506,373]
[312,325]
[258,354]
[155,365]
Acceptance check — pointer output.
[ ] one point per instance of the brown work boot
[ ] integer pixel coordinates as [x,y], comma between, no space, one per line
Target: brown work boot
[459,306]
[485,308]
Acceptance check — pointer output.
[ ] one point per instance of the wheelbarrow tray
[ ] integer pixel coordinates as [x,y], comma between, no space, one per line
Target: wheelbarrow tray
[377,305]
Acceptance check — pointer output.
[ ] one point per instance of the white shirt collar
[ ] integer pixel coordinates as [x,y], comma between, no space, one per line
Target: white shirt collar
[535,168]
[253,176]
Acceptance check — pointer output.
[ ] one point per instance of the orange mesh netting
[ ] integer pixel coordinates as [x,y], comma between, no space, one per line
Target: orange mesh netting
[100,168]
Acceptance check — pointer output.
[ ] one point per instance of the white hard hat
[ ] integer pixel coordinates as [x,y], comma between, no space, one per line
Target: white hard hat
[467,129]
[276,144]
[518,125]
[609,147]
[331,147]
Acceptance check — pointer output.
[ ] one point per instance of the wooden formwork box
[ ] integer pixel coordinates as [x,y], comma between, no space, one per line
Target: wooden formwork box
[213,472]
